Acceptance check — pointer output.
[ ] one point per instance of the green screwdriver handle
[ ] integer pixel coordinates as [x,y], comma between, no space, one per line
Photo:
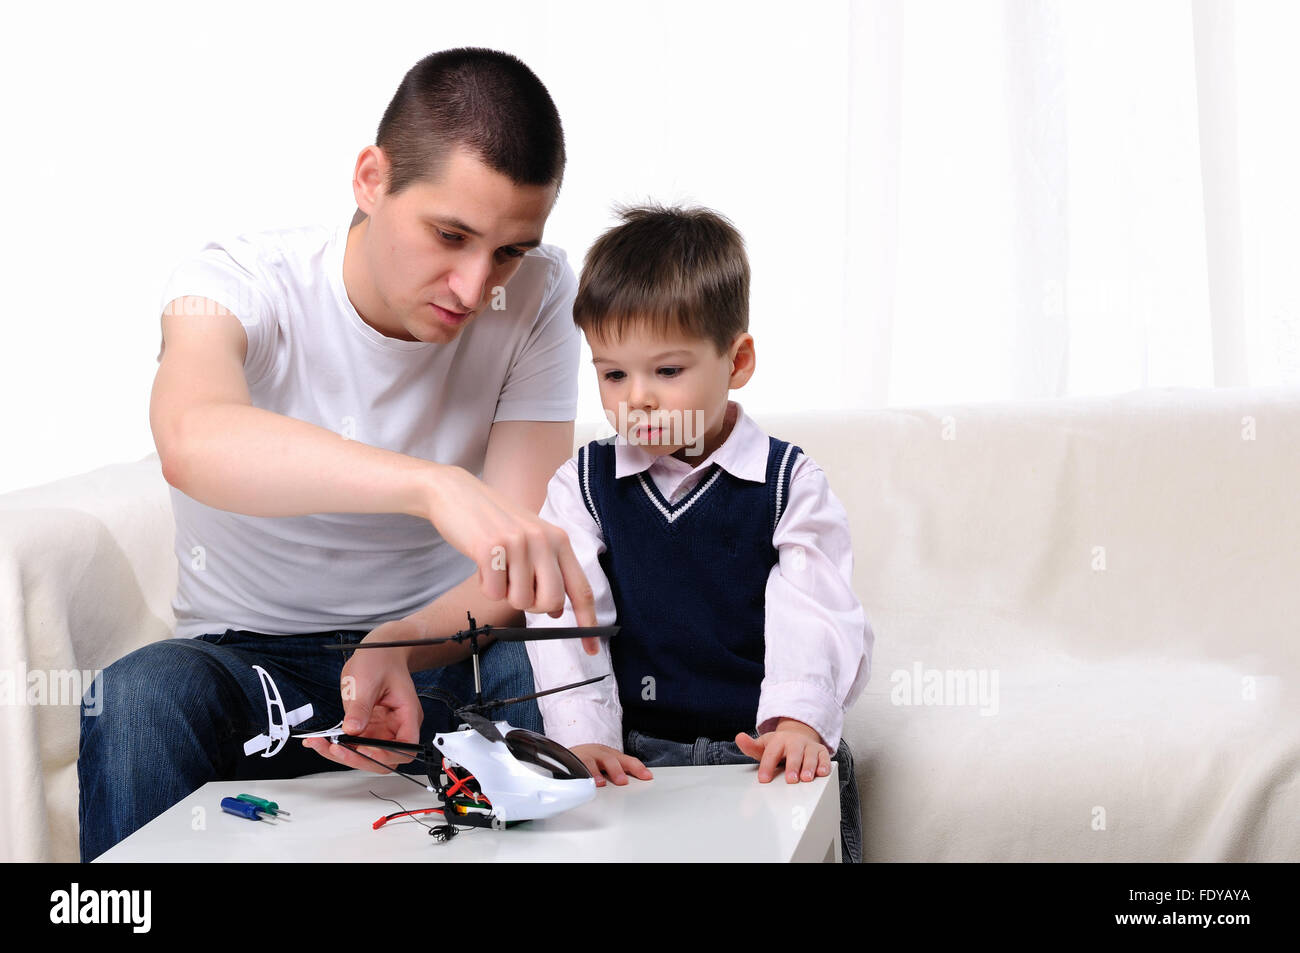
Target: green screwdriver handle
[269,806]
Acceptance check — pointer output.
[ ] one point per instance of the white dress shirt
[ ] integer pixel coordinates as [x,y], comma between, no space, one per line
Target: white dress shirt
[817,656]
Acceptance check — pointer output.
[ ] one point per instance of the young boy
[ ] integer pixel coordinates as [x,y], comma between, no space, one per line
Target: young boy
[720,551]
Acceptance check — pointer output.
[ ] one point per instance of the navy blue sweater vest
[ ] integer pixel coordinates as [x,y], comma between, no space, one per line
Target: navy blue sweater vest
[689,582]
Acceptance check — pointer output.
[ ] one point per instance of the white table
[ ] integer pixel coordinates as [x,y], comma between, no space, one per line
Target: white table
[685,814]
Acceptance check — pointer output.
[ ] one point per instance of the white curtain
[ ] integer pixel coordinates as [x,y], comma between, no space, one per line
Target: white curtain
[1058,198]
[943,200]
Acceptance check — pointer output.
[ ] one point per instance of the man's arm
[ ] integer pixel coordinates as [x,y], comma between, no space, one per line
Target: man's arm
[521,457]
[219,449]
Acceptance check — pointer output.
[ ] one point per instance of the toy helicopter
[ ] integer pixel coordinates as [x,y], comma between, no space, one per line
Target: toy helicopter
[485,773]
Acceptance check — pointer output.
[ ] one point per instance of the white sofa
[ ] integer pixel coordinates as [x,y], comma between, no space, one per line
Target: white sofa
[1121,573]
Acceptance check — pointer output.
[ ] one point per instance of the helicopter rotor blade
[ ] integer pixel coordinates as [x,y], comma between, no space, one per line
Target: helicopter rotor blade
[480,724]
[500,634]
[516,634]
[497,703]
[343,647]
[441,695]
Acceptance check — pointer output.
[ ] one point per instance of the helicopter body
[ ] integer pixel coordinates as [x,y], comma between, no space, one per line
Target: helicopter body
[526,776]
[485,773]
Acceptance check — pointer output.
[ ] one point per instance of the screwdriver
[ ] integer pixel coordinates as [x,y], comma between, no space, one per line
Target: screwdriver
[240,808]
[270,807]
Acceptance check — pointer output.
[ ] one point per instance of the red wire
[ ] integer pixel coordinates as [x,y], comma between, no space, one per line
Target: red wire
[460,783]
[384,820]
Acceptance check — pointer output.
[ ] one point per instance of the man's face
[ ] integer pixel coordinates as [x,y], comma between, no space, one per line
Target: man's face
[668,393]
[428,259]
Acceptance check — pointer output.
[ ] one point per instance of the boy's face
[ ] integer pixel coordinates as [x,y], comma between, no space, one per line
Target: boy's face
[668,394]
[425,262]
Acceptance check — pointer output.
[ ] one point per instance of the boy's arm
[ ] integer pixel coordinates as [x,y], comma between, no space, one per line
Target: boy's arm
[591,714]
[818,655]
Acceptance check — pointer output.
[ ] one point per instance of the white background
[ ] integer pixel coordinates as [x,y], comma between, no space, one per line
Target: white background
[942,201]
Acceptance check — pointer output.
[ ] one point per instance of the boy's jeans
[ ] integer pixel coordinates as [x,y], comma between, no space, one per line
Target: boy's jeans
[660,753]
[175,714]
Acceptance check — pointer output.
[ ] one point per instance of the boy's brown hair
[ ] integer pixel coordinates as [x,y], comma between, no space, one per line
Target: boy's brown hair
[672,268]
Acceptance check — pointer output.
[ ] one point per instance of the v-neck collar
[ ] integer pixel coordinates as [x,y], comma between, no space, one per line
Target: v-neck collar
[671,511]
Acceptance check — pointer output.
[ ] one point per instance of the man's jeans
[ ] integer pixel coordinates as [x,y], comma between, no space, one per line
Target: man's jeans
[176,714]
[660,753]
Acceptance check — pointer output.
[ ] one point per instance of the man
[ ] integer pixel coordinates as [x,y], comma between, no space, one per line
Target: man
[323,402]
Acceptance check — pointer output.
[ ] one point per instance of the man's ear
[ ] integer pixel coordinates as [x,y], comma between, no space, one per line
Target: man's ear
[368,180]
[742,361]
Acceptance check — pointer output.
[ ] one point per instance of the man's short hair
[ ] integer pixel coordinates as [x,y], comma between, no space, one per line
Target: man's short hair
[484,100]
[669,268]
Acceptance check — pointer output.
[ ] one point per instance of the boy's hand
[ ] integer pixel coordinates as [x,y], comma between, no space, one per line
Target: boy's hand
[793,742]
[604,762]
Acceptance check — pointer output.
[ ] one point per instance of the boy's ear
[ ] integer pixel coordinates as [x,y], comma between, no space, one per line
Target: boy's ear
[742,361]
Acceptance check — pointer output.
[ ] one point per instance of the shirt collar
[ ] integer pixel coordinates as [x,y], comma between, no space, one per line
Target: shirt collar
[743,454]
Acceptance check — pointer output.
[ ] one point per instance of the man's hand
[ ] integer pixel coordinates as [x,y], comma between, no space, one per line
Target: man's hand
[521,558]
[604,762]
[379,700]
[793,742]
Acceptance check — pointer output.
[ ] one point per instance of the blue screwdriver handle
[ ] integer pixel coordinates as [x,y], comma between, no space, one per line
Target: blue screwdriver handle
[232,805]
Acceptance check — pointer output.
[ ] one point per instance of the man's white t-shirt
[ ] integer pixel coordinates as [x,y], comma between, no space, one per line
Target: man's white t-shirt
[310,356]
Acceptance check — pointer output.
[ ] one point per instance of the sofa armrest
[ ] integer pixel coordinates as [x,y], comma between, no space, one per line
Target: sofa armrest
[87,575]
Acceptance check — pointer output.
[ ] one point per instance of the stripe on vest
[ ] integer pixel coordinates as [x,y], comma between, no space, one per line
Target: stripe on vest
[584,481]
[782,475]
